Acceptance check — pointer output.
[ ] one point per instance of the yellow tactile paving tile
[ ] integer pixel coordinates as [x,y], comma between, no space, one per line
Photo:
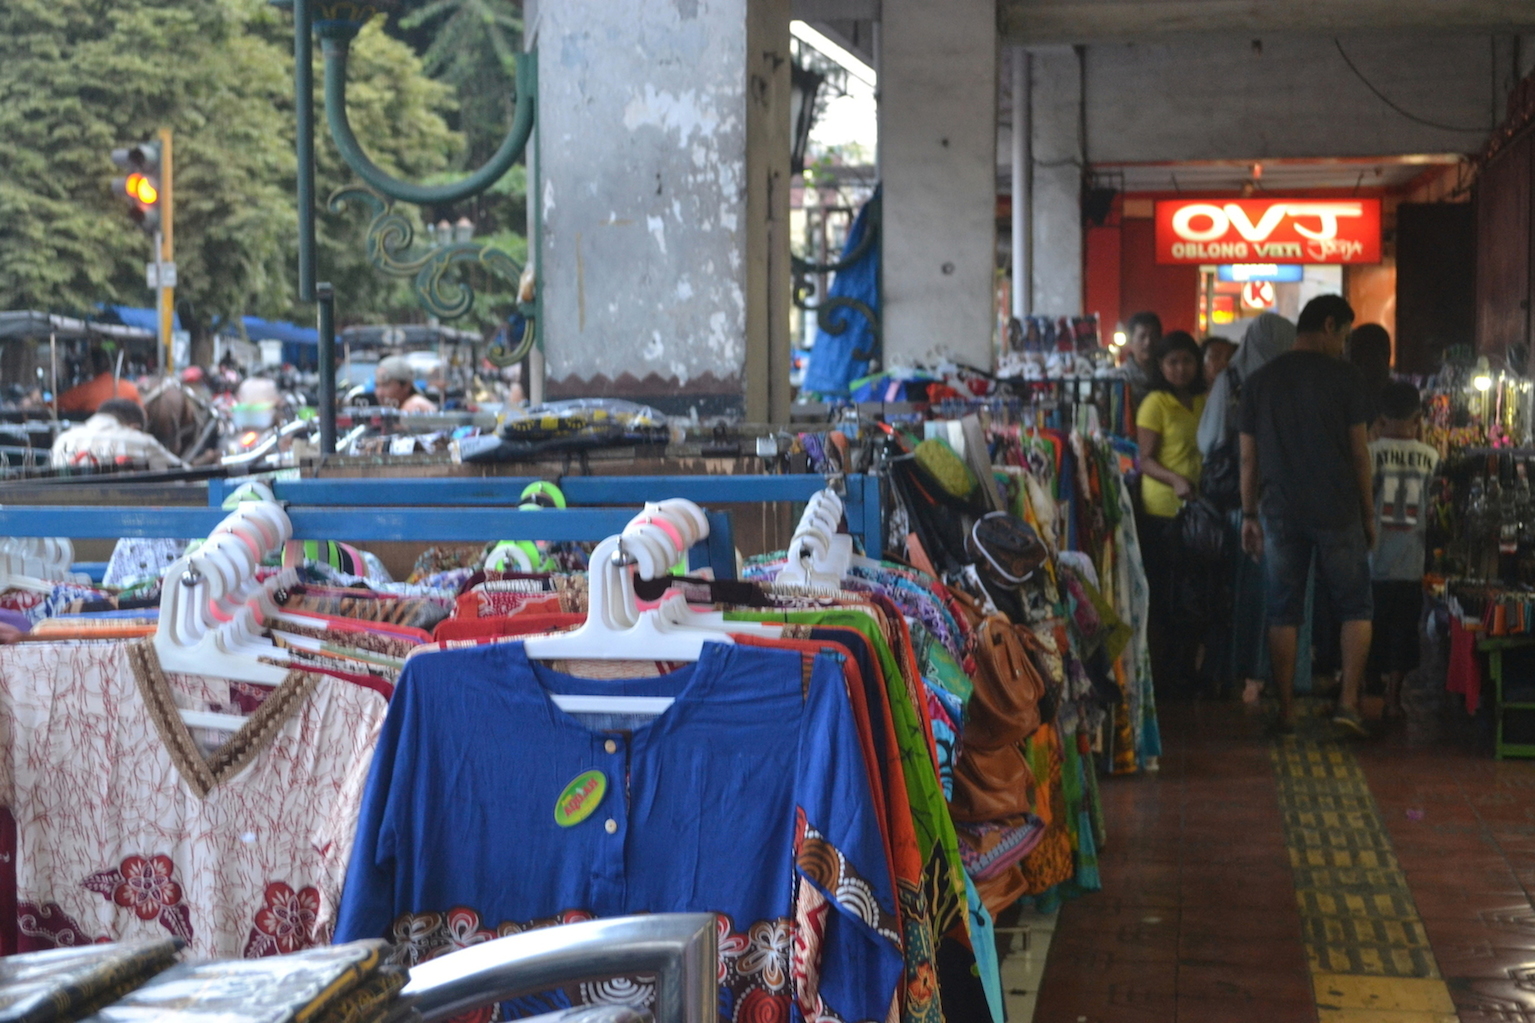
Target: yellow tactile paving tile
[1338,991]
[1357,913]
[1384,1016]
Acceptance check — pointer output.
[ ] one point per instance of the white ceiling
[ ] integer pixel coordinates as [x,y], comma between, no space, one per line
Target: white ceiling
[1076,21]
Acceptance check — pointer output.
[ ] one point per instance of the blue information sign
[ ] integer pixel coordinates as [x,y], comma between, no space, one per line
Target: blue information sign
[1241,273]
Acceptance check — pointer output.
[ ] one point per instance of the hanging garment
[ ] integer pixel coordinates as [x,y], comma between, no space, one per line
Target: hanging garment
[747,797]
[1465,675]
[837,359]
[138,560]
[416,612]
[130,825]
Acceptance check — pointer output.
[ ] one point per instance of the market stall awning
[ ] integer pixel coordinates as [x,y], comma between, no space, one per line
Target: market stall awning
[144,319]
[257,329]
[30,325]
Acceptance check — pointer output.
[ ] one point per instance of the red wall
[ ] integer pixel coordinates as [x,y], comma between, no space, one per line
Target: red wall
[1172,292]
[1122,277]
[1100,280]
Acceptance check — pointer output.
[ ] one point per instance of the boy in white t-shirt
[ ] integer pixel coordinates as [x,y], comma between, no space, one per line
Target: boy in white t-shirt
[1404,466]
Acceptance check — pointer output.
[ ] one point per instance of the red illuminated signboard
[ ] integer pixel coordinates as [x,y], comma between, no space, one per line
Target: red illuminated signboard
[1195,231]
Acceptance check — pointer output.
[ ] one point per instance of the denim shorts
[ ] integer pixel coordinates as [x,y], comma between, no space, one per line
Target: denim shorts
[1343,566]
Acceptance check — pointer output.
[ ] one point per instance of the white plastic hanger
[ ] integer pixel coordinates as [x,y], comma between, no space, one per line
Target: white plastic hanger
[818,554]
[601,637]
[674,612]
[37,564]
[14,576]
[184,640]
[611,605]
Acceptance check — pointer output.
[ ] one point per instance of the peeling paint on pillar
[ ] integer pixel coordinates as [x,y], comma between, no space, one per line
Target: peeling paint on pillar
[642,115]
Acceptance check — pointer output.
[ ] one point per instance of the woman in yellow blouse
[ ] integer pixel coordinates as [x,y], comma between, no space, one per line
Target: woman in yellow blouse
[1167,425]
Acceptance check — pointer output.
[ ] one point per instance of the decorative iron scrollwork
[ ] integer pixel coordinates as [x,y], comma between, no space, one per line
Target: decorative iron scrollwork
[827,319]
[440,290]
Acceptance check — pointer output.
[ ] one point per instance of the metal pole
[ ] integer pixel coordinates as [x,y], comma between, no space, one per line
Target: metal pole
[327,299]
[53,360]
[1023,185]
[162,330]
[303,101]
[165,252]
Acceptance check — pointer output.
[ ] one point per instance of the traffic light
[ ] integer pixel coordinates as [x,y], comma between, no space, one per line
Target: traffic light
[141,187]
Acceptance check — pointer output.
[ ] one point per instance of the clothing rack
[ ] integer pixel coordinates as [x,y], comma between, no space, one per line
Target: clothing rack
[861,494]
[365,524]
[462,509]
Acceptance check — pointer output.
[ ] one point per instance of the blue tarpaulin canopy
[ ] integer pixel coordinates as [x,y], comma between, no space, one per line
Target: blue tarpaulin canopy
[258,329]
[300,345]
[144,319]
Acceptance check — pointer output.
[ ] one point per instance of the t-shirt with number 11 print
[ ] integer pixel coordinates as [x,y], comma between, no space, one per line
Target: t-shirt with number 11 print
[1403,469]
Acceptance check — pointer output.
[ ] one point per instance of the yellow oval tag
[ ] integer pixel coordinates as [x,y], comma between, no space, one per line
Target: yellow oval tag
[580,798]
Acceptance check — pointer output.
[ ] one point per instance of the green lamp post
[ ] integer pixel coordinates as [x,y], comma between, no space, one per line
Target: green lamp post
[390,236]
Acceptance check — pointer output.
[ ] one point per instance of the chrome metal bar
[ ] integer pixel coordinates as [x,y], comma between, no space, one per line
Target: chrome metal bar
[596,1014]
[584,1014]
[680,948]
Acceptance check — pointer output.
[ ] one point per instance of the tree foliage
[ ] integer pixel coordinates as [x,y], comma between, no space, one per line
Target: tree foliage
[79,77]
[473,46]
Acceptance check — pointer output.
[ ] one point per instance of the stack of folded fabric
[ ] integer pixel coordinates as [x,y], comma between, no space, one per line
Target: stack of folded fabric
[340,984]
[66,984]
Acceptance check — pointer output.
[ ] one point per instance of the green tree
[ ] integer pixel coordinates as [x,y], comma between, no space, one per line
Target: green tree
[397,113]
[473,46]
[78,77]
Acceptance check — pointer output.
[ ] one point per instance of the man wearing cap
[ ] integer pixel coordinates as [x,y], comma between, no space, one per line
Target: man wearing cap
[394,383]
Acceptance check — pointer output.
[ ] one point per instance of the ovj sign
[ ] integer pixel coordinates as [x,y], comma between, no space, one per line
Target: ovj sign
[1268,231]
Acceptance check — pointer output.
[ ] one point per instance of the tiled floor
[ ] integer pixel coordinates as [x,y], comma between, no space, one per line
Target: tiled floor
[1025,948]
[1463,828]
[1200,920]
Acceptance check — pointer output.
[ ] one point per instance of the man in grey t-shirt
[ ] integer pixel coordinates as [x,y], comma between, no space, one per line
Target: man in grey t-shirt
[1145,330]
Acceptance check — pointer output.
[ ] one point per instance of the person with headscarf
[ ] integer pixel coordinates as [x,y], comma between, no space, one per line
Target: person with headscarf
[1268,336]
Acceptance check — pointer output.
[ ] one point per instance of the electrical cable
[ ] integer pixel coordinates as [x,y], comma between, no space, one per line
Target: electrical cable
[1386,100]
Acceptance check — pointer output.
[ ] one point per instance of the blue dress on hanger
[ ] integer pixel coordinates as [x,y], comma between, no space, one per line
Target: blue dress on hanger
[748,797]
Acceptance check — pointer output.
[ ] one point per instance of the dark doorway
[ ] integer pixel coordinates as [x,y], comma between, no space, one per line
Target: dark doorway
[1435,282]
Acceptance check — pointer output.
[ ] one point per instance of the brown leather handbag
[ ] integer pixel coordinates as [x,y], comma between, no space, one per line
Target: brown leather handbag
[991,777]
[1004,708]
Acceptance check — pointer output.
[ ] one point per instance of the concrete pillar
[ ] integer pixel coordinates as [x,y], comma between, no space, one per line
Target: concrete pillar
[1057,125]
[663,201]
[938,160]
